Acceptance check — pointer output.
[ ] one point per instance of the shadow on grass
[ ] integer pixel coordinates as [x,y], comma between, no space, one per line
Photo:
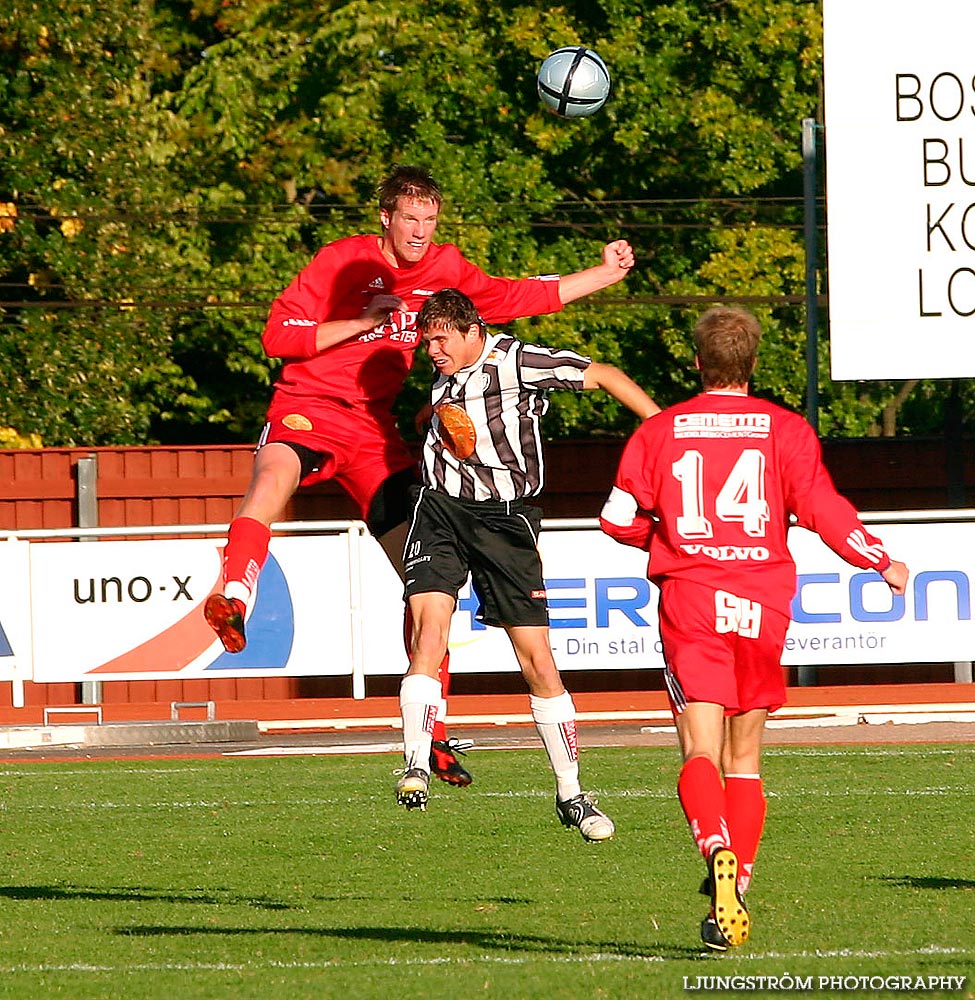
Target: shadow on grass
[121,894]
[927,882]
[481,939]
[484,901]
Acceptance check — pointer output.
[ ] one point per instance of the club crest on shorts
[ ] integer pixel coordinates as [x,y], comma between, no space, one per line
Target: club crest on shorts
[297,422]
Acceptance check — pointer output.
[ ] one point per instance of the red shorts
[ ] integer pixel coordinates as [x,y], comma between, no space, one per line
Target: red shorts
[720,648]
[360,449]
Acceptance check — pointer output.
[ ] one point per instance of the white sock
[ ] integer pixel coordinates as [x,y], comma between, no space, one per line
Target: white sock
[234,588]
[555,720]
[419,698]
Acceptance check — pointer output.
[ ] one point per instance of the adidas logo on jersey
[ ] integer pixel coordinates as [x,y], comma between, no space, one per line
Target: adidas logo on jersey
[377,283]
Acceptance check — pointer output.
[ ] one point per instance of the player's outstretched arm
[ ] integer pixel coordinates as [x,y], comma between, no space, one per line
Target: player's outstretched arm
[616,264]
[896,575]
[620,386]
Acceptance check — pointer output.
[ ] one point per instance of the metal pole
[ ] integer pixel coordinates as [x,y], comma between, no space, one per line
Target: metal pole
[91,691]
[88,492]
[807,674]
[812,310]
[954,446]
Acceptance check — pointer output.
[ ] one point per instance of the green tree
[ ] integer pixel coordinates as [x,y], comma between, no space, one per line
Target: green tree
[169,166]
[451,85]
[79,362]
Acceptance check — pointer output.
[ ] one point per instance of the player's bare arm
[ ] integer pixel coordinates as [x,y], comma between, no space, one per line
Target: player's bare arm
[617,262]
[376,310]
[621,387]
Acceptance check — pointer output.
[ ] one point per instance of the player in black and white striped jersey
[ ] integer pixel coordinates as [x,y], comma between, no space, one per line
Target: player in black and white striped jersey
[504,396]
[482,462]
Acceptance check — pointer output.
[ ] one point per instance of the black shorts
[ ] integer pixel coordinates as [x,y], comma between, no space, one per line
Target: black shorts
[495,541]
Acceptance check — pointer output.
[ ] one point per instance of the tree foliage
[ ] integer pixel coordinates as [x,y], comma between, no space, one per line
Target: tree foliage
[167,167]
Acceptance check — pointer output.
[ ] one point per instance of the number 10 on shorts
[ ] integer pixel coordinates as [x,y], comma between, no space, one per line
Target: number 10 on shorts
[737,614]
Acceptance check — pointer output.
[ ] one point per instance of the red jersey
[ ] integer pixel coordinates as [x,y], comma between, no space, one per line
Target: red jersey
[339,282]
[721,473]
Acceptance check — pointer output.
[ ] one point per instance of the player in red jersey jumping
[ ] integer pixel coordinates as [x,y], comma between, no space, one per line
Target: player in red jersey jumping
[345,328]
[708,487]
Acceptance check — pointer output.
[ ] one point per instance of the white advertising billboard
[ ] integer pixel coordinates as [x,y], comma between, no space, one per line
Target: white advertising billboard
[330,604]
[900,187]
[132,610]
[16,652]
[603,611]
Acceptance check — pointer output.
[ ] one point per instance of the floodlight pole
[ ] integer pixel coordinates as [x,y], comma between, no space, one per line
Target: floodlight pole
[806,674]
[812,309]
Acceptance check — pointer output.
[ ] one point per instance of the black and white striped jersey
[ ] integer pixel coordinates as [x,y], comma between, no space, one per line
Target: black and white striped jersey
[505,395]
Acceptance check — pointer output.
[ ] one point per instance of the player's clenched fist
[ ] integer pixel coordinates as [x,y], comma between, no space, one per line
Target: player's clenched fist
[619,254]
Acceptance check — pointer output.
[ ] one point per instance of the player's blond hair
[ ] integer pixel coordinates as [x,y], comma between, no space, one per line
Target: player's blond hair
[408,182]
[726,342]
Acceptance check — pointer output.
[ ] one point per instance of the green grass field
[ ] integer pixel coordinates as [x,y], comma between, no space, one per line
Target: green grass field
[244,877]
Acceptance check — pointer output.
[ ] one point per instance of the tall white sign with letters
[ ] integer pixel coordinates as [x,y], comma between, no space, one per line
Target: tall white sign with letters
[900,187]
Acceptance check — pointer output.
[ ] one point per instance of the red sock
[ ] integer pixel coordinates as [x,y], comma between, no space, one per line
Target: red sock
[746,806]
[408,632]
[439,728]
[246,552]
[701,796]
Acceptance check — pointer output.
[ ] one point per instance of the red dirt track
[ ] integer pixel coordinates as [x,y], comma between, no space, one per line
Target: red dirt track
[331,709]
[631,718]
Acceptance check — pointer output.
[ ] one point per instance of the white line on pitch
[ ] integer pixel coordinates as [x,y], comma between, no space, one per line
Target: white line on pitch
[630,793]
[576,959]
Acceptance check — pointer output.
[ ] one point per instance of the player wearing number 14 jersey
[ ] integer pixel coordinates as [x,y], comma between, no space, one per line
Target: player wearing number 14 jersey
[708,487]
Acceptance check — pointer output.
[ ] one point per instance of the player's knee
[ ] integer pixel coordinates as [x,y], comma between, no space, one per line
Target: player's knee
[542,676]
[277,470]
[276,481]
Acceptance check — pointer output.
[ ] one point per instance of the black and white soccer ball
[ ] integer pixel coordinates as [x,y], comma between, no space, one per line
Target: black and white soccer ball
[573,81]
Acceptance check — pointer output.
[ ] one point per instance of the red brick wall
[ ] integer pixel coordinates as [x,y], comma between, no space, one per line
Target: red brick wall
[203,485]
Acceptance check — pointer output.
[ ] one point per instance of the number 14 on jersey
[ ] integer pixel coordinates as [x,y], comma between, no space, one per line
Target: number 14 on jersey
[741,497]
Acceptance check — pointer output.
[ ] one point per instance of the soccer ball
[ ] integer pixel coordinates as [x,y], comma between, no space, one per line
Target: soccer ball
[573,82]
